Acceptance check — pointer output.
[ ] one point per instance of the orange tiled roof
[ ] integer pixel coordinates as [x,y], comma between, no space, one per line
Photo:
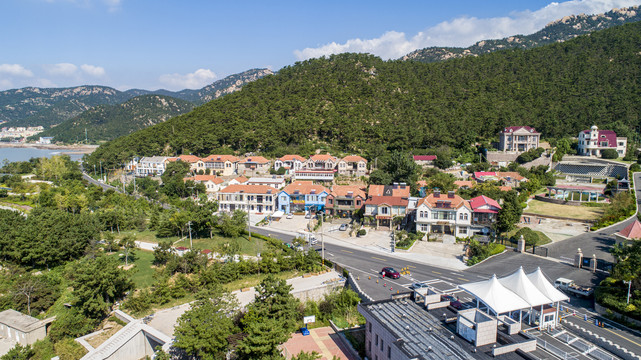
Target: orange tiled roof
[220,158]
[421,183]
[455,202]
[254,159]
[379,190]
[323,157]
[292,157]
[185,158]
[505,188]
[213,178]
[241,179]
[354,158]
[249,189]
[513,174]
[461,183]
[343,190]
[304,187]
[386,200]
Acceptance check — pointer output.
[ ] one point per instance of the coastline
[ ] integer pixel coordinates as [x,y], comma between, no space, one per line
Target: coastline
[68,149]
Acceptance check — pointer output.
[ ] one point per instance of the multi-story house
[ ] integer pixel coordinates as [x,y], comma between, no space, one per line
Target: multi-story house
[192,160]
[290,162]
[444,214]
[277,182]
[484,212]
[321,162]
[352,165]
[151,166]
[424,160]
[253,165]
[302,196]
[385,208]
[519,139]
[396,190]
[593,141]
[239,180]
[224,165]
[314,175]
[212,182]
[344,200]
[255,199]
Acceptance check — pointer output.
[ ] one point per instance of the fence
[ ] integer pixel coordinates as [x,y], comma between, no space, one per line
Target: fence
[555,350]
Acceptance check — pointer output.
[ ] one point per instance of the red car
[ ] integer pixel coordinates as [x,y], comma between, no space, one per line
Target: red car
[453,301]
[390,272]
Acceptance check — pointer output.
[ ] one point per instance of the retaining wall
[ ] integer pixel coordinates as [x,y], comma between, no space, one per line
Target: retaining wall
[602,310]
[354,285]
[526,346]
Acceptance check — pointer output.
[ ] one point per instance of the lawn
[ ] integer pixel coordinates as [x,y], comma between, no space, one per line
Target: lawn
[145,236]
[143,273]
[568,211]
[543,239]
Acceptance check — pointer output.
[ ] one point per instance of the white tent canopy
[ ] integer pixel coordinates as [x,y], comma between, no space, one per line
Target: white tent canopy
[496,296]
[538,279]
[519,283]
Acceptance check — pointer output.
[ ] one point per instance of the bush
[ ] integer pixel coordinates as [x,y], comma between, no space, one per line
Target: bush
[479,252]
[635,167]
[530,155]
[531,238]
[70,324]
[361,232]
[609,154]
[68,349]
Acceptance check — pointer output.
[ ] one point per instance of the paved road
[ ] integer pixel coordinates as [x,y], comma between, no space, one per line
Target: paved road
[598,242]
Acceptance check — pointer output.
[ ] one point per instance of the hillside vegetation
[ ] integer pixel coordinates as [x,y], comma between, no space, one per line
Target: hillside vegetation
[560,30]
[361,104]
[107,122]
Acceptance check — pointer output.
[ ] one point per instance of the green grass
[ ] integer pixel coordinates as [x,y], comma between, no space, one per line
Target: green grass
[568,211]
[246,247]
[143,273]
[543,239]
[145,236]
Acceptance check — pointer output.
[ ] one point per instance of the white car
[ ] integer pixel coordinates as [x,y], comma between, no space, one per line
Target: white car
[289,216]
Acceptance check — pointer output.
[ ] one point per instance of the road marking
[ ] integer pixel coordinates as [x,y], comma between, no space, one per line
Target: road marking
[460,278]
[621,336]
[374,257]
[413,267]
[347,251]
[436,272]
[445,277]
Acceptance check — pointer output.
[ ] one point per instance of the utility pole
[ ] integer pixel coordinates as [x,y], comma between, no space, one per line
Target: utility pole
[249,225]
[629,282]
[191,245]
[101,169]
[86,136]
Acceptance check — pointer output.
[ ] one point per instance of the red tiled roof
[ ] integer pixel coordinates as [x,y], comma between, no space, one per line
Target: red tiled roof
[511,174]
[515,128]
[483,200]
[424,157]
[241,179]
[304,187]
[386,200]
[292,157]
[322,157]
[462,183]
[431,200]
[254,159]
[206,251]
[344,190]
[505,188]
[249,189]
[632,231]
[354,158]
[607,135]
[380,190]
[478,174]
[213,178]
[220,158]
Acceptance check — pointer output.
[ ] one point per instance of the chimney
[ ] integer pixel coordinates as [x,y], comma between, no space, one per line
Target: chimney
[403,185]
[437,193]
[395,185]
[450,194]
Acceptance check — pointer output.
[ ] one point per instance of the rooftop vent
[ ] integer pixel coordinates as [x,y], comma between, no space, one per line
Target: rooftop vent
[437,193]
[450,194]
[312,191]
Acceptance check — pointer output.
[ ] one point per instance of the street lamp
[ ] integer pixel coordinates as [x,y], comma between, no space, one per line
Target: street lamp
[629,282]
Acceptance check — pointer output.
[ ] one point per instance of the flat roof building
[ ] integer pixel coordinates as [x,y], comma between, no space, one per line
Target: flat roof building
[22,328]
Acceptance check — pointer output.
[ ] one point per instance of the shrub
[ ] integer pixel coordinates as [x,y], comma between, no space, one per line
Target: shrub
[609,154]
[68,349]
[531,238]
[361,232]
[71,324]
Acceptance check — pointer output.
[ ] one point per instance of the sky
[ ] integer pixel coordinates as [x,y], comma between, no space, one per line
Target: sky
[170,44]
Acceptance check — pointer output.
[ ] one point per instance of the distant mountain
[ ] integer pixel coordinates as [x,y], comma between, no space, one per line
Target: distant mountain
[107,122]
[560,30]
[51,106]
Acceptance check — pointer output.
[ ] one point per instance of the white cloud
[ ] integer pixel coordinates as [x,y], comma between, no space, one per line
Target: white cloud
[465,31]
[61,69]
[96,71]
[195,80]
[15,70]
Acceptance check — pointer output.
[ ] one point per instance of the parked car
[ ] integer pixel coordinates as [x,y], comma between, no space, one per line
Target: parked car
[343,227]
[390,272]
[418,286]
[289,216]
[453,301]
[308,215]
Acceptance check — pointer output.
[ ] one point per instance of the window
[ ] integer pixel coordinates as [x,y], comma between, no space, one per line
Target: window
[389,351]
[369,327]
[548,318]
[376,343]
[330,201]
[424,228]
[382,344]
[462,230]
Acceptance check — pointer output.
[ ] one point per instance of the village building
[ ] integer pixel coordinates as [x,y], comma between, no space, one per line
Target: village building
[238,180]
[290,162]
[344,200]
[254,165]
[277,182]
[302,196]
[592,142]
[212,182]
[424,160]
[484,213]
[192,160]
[21,328]
[519,139]
[447,214]
[314,175]
[383,209]
[256,199]
[222,165]
[321,162]
[151,166]
[352,166]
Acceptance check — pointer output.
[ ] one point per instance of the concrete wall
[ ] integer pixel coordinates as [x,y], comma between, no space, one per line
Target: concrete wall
[137,347]
[351,282]
[316,293]
[485,332]
[438,305]
[21,337]
[524,346]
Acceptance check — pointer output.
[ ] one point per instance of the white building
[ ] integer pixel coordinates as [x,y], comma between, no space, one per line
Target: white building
[251,198]
[290,162]
[444,214]
[277,182]
[593,141]
[519,139]
[151,166]
[314,175]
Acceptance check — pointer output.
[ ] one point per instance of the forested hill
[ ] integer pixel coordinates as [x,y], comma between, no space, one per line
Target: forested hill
[563,29]
[50,106]
[361,104]
[107,122]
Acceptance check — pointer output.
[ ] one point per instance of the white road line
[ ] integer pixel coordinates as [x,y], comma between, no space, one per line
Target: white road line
[445,277]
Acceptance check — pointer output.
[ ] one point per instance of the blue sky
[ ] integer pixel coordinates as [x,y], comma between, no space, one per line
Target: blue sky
[172,44]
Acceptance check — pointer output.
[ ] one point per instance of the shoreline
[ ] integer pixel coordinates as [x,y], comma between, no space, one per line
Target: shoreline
[69,149]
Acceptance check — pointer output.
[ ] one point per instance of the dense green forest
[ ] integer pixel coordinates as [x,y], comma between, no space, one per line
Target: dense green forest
[107,122]
[361,104]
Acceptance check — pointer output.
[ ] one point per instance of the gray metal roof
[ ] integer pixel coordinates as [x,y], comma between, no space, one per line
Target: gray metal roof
[20,321]
[420,335]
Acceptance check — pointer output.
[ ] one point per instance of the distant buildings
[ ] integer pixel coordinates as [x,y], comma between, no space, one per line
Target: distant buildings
[424,160]
[151,166]
[592,142]
[519,139]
